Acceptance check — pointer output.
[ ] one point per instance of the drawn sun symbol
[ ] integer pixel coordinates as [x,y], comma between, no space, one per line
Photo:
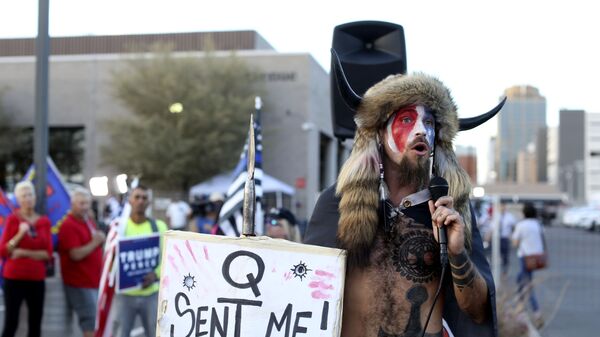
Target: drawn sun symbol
[300,270]
[189,282]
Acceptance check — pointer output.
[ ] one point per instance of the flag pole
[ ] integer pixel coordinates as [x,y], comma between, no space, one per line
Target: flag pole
[249,211]
[249,189]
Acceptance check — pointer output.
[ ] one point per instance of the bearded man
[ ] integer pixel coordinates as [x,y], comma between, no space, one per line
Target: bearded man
[380,212]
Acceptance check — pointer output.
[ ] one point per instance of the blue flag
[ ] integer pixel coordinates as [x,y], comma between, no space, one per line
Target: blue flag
[58,201]
[230,215]
[5,210]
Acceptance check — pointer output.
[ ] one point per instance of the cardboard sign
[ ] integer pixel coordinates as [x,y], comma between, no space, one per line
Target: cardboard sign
[248,287]
[137,257]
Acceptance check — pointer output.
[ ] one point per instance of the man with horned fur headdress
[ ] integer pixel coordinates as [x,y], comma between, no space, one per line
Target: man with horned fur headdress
[388,224]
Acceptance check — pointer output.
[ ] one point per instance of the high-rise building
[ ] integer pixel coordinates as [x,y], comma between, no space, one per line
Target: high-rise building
[592,157]
[579,155]
[552,156]
[541,155]
[571,140]
[527,167]
[491,175]
[467,158]
[523,115]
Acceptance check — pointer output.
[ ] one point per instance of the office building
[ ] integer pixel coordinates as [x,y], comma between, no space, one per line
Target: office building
[522,117]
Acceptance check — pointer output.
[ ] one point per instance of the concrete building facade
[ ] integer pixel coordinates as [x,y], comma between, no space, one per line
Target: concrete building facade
[467,158]
[592,157]
[298,144]
[571,154]
[527,167]
[552,156]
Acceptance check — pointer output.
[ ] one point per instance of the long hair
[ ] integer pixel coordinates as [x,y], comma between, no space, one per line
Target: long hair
[358,181]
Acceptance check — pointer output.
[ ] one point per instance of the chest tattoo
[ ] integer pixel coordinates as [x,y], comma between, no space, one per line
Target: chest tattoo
[414,251]
[403,272]
[416,295]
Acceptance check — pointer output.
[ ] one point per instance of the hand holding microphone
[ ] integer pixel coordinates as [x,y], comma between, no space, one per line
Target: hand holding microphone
[442,215]
[438,187]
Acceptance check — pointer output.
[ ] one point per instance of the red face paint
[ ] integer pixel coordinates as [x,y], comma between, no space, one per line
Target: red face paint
[403,123]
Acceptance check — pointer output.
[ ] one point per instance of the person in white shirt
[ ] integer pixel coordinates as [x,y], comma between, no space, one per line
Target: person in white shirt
[527,237]
[507,224]
[178,215]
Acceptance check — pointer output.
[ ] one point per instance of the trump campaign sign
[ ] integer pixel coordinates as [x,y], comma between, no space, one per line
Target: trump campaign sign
[137,256]
[255,286]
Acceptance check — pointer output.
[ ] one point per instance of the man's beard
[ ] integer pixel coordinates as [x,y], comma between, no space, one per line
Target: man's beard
[413,173]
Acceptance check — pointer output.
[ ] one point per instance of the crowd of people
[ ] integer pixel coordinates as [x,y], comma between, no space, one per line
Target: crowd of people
[27,247]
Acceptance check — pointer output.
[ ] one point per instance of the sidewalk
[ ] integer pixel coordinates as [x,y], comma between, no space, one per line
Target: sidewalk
[56,321]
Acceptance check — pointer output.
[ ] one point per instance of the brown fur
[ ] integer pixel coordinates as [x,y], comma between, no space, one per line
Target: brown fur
[358,180]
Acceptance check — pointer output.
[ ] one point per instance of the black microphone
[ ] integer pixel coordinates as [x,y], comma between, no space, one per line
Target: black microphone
[438,187]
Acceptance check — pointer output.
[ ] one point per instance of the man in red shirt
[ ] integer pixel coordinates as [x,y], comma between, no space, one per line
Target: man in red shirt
[79,246]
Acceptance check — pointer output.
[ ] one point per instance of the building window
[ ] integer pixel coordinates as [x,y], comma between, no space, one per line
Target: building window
[324,161]
[275,200]
[65,147]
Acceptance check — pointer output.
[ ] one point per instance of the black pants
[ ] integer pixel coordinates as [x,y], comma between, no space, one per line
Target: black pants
[505,253]
[15,291]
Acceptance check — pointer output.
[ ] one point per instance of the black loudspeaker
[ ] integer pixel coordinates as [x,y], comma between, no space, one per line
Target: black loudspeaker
[369,51]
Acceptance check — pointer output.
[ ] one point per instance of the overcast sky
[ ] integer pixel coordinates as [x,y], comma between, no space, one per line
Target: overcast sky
[477,48]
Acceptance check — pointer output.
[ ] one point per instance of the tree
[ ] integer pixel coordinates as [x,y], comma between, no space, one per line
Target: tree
[172,149]
[10,140]
[65,147]
[6,132]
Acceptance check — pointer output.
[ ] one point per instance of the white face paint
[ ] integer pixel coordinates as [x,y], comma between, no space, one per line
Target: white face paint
[406,125]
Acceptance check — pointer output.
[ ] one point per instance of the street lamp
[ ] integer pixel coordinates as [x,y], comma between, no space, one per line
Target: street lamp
[478,192]
[176,108]
[121,181]
[99,186]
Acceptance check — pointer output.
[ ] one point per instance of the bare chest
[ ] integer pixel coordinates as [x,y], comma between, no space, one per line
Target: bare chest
[391,297]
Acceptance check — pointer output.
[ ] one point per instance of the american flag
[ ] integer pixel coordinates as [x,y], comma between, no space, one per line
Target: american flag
[105,313]
[230,217]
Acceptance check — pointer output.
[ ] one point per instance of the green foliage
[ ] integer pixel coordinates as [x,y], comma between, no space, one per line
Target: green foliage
[175,150]
[6,132]
[10,142]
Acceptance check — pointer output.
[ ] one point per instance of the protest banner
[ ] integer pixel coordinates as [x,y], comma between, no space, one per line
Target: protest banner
[249,286]
[137,256]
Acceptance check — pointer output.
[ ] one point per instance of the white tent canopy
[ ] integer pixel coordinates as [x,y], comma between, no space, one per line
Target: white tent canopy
[220,183]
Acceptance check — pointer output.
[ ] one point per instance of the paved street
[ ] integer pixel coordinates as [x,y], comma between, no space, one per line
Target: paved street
[57,321]
[573,279]
[574,264]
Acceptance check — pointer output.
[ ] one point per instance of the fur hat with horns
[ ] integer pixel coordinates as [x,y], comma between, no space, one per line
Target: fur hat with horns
[358,181]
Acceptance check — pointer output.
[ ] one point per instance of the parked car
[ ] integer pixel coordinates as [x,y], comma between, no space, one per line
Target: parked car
[590,219]
[572,216]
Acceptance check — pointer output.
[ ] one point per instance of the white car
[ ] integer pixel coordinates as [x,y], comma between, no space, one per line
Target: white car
[572,216]
[590,219]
